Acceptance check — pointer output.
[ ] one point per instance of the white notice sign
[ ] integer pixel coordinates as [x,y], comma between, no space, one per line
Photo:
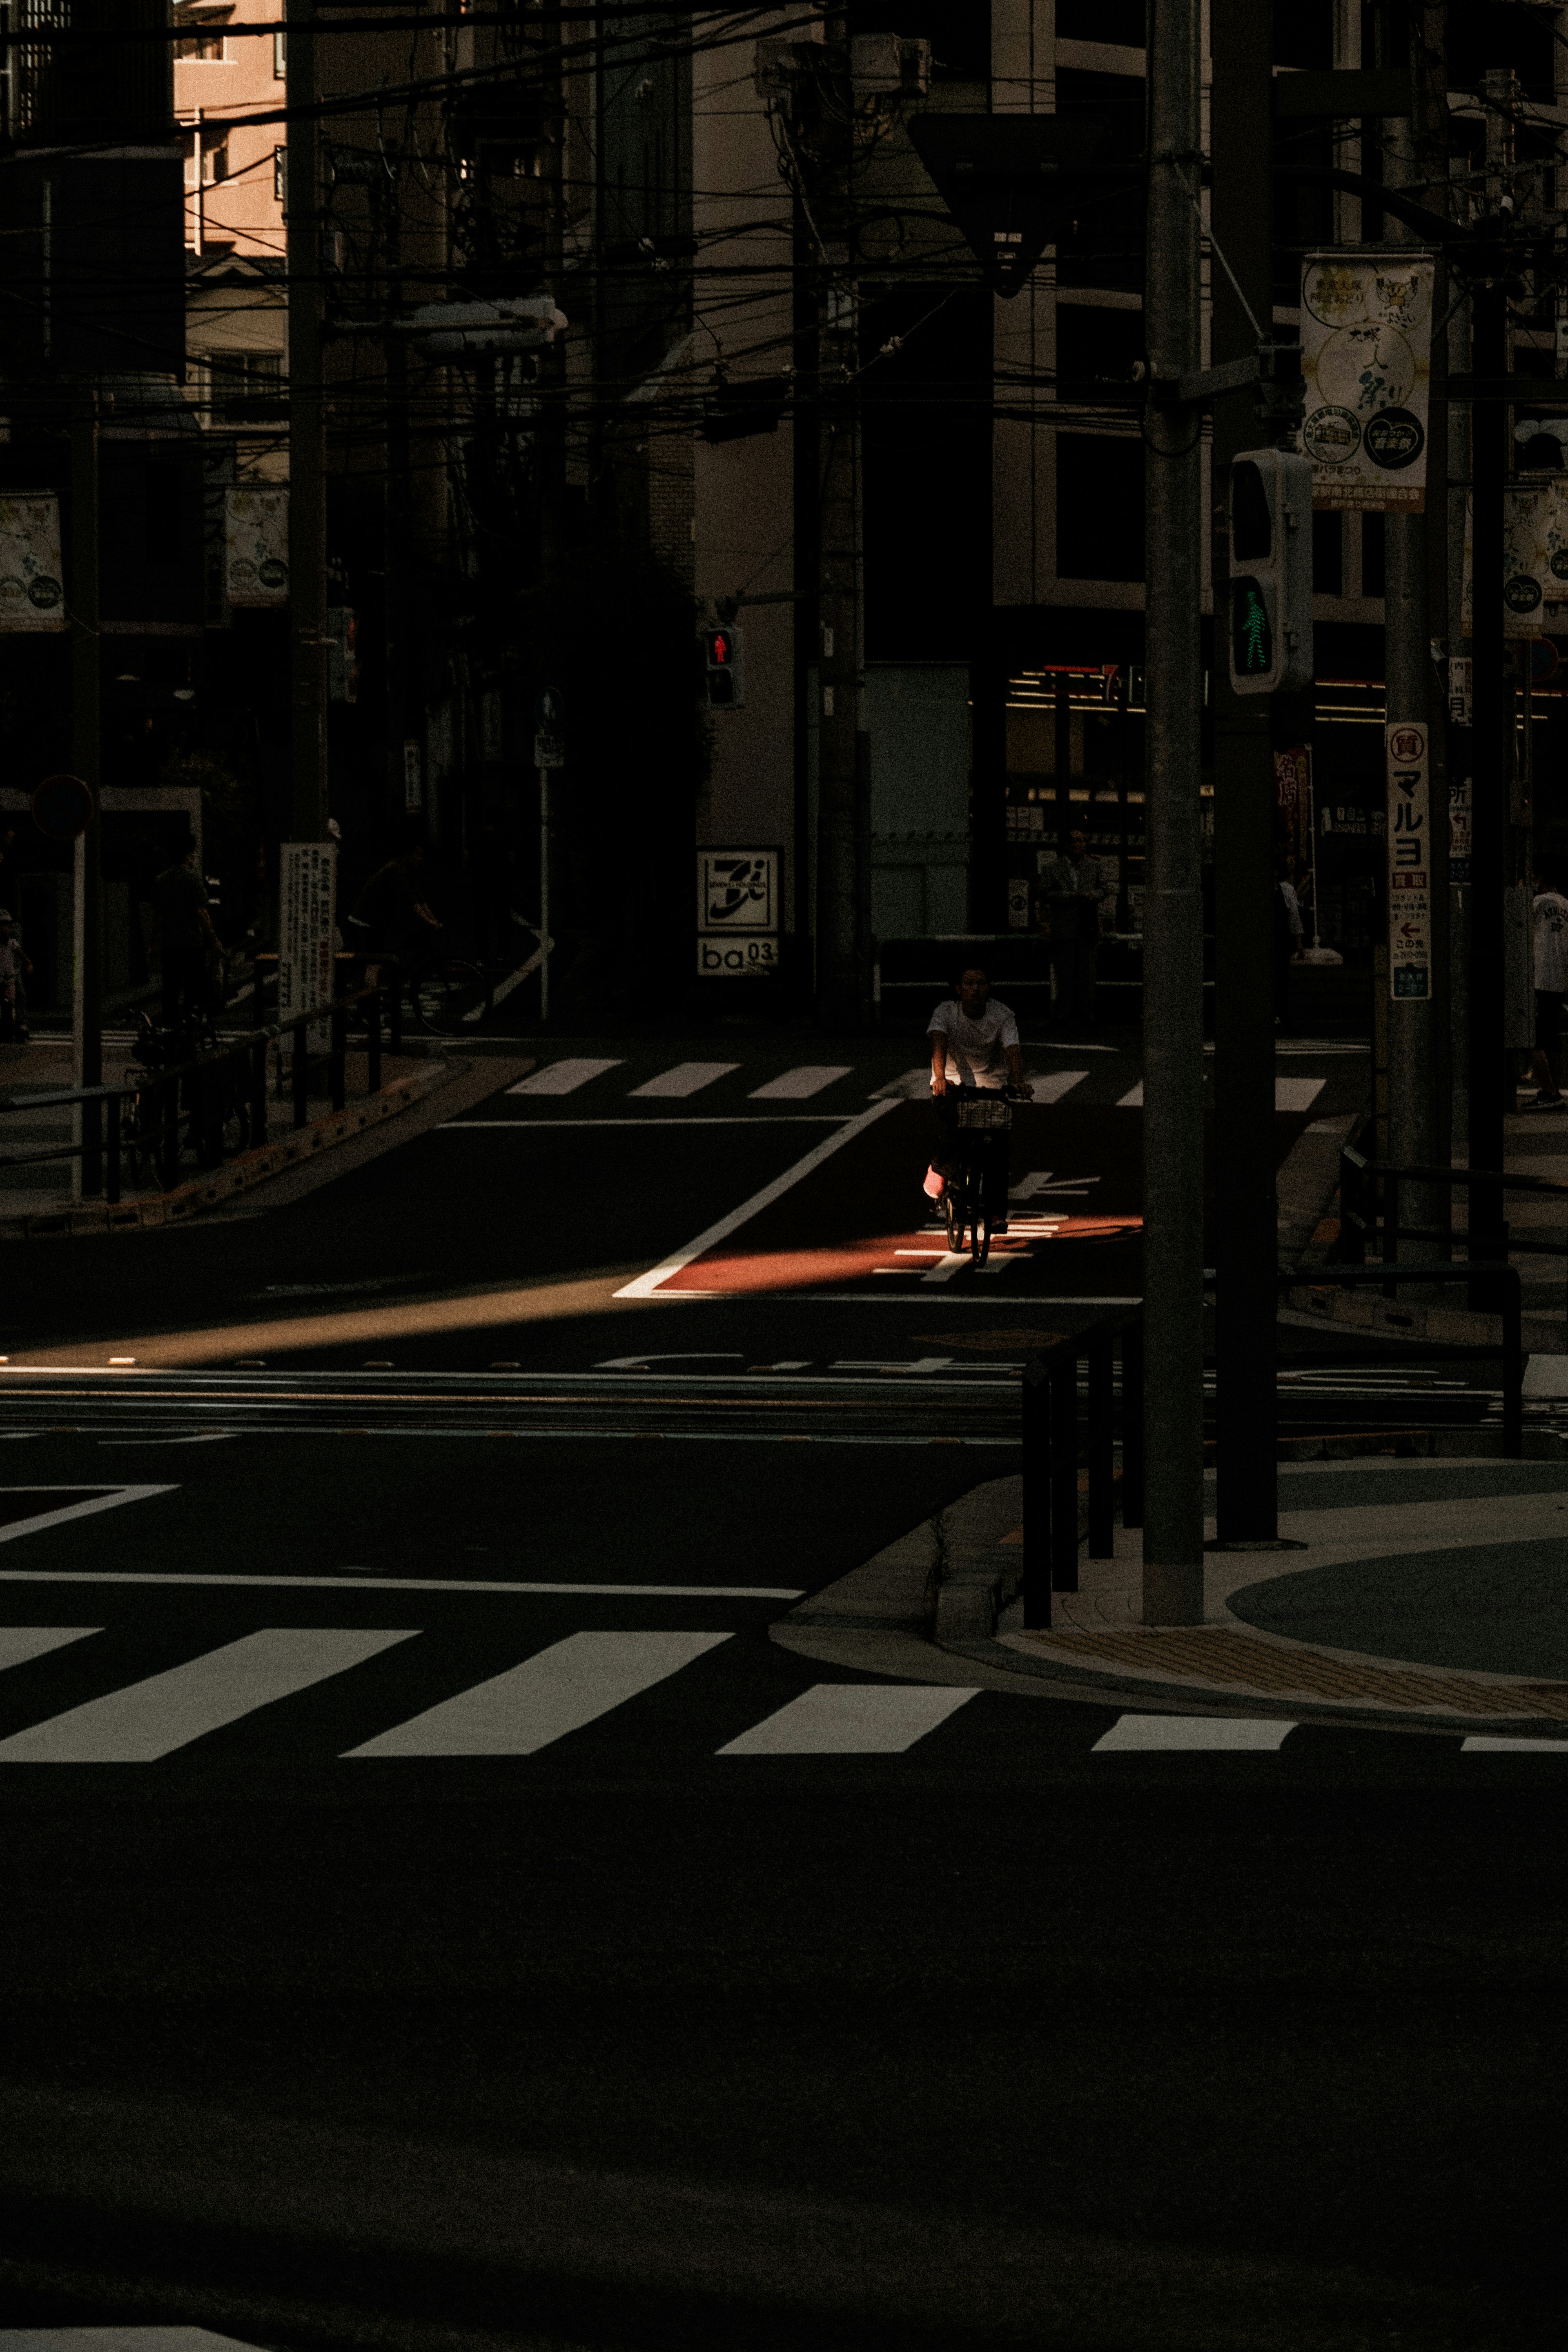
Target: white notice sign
[32,573]
[1409,863]
[255,545]
[1366,347]
[305,973]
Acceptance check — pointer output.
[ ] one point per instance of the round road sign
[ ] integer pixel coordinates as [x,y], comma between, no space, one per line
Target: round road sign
[62,807]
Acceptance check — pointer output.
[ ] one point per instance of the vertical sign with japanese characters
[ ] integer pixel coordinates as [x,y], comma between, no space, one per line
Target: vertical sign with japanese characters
[1409,863]
[305,967]
[1458,832]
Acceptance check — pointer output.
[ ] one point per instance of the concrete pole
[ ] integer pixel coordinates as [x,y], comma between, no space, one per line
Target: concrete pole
[307,436]
[1412,1106]
[1173,904]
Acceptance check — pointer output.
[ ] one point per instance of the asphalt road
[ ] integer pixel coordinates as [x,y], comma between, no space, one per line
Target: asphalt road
[435,1908]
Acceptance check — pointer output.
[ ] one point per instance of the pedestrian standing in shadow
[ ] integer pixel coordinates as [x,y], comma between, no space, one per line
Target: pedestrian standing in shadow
[1072,890]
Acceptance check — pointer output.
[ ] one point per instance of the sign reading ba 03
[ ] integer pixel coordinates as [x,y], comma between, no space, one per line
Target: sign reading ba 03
[737,958]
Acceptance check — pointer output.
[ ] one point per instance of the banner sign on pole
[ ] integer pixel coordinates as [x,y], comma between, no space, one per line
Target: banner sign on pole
[1366,348]
[1409,862]
[1534,559]
[1459,831]
[306,972]
[736,912]
[32,565]
[255,545]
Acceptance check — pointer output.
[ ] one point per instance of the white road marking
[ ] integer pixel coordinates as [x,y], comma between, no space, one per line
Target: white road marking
[1046,1180]
[947,1266]
[908,1088]
[795,1085]
[647,1284]
[107,1500]
[1051,1084]
[685,1078]
[1134,1098]
[852,1719]
[561,1078]
[1297,1094]
[119,2339]
[1546,1375]
[557,1691]
[152,1719]
[1192,1732]
[20,1642]
[1489,1747]
[349,1584]
[651,1118]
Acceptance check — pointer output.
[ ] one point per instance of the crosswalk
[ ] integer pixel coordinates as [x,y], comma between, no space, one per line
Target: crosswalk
[808,1081]
[556,1692]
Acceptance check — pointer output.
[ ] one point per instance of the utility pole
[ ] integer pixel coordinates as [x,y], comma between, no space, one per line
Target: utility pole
[1172,1403]
[843,780]
[86,673]
[1492,731]
[1245,1231]
[307,434]
[1413,1125]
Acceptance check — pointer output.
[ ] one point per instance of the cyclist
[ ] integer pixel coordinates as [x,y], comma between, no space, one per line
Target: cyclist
[974,1048]
[389,914]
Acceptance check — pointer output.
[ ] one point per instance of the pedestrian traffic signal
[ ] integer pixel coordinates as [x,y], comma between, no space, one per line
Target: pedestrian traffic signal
[1270,516]
[721,663]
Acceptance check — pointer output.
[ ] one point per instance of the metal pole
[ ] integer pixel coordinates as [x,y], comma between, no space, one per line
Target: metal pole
[1172,1399]
[1035,1437]
[1412,813]
[1245,1218]
[306,436]
[544,894]
[1491,752]
[86,996]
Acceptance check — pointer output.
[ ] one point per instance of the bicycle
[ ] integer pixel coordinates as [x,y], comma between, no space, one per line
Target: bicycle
[985,1122]
[447,995]
[144,1119]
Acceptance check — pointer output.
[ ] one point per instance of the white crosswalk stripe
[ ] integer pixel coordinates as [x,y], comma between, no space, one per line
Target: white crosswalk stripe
[1051,1084]
[1489,1747]
[685,1078]
[1193,1733]
[852,1719]
[150,1719]
[795,1085]
[556,1691]
[1289,1094]
[20,1642]
[561,1078]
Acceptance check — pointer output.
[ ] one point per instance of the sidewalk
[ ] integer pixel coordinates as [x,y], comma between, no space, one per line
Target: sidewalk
[1427,1596]
[38,1200]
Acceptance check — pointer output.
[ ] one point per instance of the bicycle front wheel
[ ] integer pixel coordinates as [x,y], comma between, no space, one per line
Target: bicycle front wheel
[452,998]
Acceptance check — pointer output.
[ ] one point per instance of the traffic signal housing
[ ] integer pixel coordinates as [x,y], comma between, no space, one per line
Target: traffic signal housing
[722,666]
[1269,511]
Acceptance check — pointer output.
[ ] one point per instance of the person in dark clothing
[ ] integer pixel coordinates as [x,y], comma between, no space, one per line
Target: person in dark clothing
[1071,888]
[1287,938]
[187,939]
[389,917]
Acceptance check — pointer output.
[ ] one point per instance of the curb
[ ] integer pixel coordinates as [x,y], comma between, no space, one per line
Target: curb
[928,1608]
[242,1174]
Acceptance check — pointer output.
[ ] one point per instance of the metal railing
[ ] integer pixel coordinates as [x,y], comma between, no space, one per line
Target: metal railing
[1366,1220]
[1051,1435]
[202,1091]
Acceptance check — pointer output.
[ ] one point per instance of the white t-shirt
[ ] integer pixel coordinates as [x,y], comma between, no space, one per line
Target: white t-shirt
[1552,943]
[976,1050]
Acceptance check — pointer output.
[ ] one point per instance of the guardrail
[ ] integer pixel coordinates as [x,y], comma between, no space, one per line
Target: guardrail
[1051,1435]
[203,1084]
[1365,1219]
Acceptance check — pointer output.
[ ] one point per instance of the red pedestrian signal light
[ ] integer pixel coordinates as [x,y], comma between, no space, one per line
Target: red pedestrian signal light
[722,665]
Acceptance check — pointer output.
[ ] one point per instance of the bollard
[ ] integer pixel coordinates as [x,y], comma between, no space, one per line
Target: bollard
[339,1034]
[1101,1449]
[1036,1496]
[1064,1470]
[1132,1425]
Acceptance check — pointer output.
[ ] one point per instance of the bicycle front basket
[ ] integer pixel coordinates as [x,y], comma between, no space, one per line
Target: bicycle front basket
[984,1110]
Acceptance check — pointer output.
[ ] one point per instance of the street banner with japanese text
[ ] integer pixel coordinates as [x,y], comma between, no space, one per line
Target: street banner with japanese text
[32,567]
[1366,345]
[255,545]
[306,971]
[1409,862]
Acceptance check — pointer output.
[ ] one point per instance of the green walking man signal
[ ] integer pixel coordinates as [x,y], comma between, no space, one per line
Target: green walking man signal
[1269,509]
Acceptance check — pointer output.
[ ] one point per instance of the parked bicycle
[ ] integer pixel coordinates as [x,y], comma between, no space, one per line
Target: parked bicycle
[213,1101]
[447,995]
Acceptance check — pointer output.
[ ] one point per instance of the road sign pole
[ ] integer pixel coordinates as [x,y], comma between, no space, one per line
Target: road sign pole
[1245,1227]
[1173,1401]
[543,892]
[86,995]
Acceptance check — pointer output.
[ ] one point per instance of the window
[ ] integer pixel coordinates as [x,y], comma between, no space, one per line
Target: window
[240,387]
[279,56]
[203,41]
[280,175]
[215,160]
